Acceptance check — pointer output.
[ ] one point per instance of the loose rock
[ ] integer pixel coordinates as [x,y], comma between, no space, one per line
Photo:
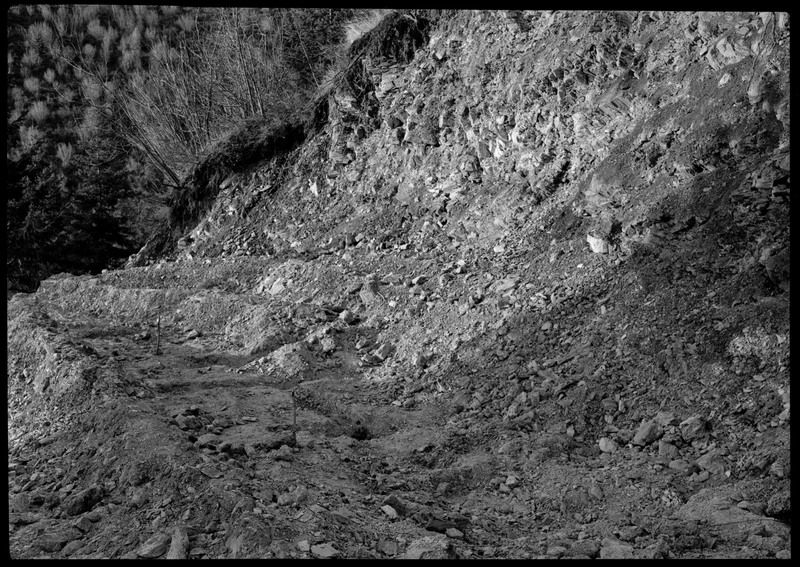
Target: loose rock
[156,546]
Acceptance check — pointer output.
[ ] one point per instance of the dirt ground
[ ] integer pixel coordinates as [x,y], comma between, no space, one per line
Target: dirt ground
[599,369]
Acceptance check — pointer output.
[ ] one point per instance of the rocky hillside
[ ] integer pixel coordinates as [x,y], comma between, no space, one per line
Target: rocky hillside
[521,290]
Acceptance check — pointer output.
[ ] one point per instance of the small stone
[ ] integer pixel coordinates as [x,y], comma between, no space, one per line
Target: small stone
[783,554]
[454,533]
[53,542]
[22,519]
[588,547]
[83,523]
[505,285]
[324,551]
[186,422]
[209,440]
[72,547]
[666,418]
[648,432]
[629,533]
[95,515]
[597,245]
[658,550]
[277,287]
[420,360]
[693,428]
[283,453]
[679,465]
[83,501]
[367,296]
[430,547]
[384,351]
[303,545]
[712,462]
[347,316]
[154,547]
[612,549]
[556,551]
[607,445]
[179,546]
[777,469]
[512,481]
[779,505]
[441,488]
[441,523]
[327,345]
[667,450]
[388,547]
[771,545]
[397,504]
[19,503]
[389,511]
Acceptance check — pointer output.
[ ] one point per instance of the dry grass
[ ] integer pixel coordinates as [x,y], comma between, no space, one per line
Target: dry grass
[65,153]
[38,112]
[29,137]
[31,84]
[363,24]
[356,28]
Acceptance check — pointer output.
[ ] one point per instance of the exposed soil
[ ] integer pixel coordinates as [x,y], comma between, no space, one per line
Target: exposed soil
[585,365]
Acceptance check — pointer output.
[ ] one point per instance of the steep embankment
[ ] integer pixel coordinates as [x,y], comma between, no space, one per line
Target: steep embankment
[525,292]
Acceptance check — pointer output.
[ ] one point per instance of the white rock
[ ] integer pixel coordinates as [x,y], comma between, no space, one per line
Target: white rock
[430,547]
[277,287]
[598,245]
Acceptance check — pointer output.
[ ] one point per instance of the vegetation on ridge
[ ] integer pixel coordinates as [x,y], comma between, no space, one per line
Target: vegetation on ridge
[111,107]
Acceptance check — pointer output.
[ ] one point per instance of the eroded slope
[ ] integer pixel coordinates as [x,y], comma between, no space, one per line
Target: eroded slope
[526,295]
